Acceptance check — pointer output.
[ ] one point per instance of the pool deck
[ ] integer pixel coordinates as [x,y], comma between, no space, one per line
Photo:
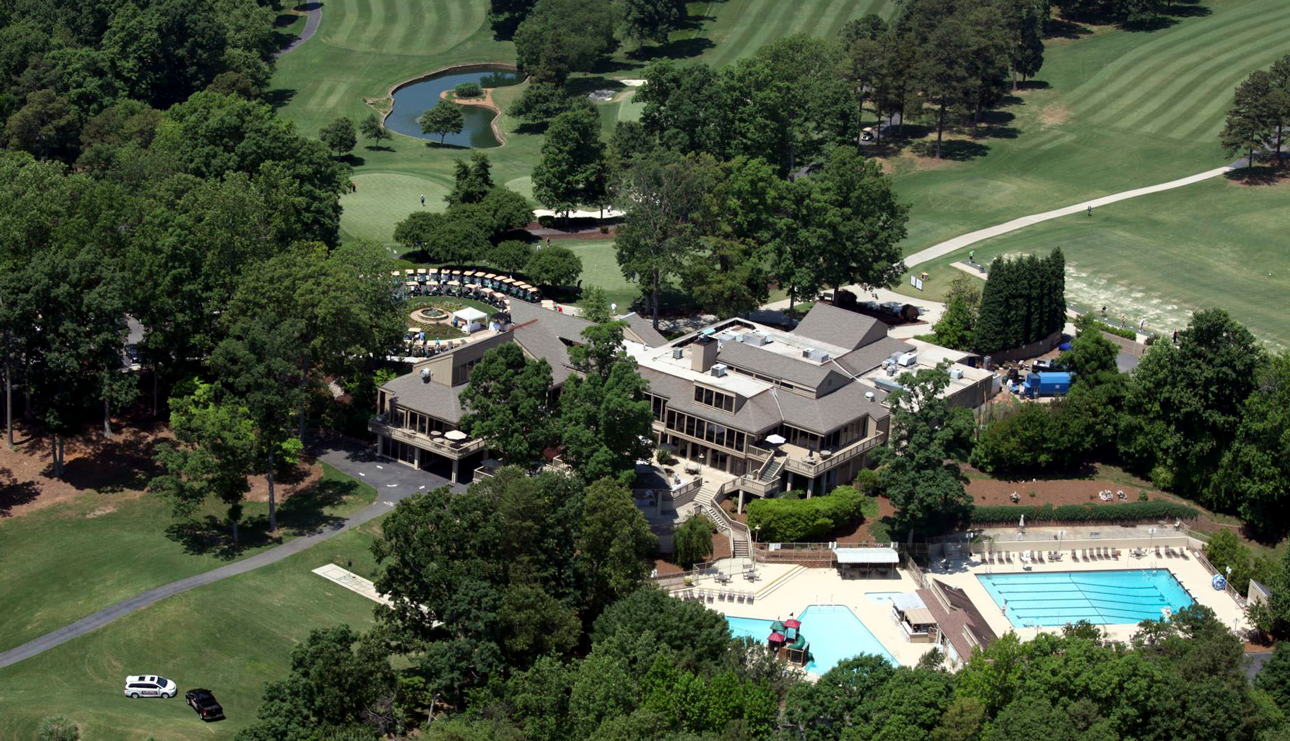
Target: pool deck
[784,589]
[1189,572]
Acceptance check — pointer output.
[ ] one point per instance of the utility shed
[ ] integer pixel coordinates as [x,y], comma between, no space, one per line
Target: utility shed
[861,563]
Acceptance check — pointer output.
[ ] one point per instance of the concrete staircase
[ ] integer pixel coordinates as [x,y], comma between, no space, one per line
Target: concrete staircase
[771,471]
[740,542]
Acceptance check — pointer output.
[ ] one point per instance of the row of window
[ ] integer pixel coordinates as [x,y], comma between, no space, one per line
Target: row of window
[705,430]
[715,399]
[415,421]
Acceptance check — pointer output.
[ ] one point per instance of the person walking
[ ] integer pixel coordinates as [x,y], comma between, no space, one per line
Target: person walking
[423,200]
[1090,210]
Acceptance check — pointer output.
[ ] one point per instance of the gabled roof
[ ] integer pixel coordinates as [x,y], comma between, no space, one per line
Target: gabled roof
[864,359]
[773,364]
[644,329]
[425,396]
[846,329]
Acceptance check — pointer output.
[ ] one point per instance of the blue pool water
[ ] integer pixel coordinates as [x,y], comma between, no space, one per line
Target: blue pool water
[834,632]
[1100,597]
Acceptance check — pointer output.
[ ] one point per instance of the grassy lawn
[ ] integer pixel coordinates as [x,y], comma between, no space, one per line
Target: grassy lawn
[1165,255]
[83,556]
[600,268]
[1112,110]
[230,637]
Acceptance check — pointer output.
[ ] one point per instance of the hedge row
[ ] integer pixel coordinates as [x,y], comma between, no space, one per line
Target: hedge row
[804,520]
[1153,510]
[1127,334]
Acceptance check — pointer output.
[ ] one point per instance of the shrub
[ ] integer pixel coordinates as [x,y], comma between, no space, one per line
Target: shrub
[468,90]
[1126,333]
[1130,511]
[692,541]
[1034,437]
[1225,550]
[797,520]
[868,482]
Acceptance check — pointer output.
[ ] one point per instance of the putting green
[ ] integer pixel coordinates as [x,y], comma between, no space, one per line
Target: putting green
[383,200]
[523,186]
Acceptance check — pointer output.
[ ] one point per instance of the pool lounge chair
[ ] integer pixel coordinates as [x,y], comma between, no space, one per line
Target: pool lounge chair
[1157,551]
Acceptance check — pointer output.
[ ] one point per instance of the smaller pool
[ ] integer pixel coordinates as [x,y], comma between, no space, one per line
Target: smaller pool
[834,632]
[881,598]
[1100,597]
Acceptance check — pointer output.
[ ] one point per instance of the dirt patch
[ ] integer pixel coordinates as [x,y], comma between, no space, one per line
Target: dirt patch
[120,467]
[1053,115]
[100,512]
[993,492]
[306,475]
[908,161]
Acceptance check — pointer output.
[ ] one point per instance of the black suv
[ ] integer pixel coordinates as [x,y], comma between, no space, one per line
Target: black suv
[204,702]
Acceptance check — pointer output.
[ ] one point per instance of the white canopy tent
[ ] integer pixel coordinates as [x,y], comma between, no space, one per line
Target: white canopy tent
[472,318]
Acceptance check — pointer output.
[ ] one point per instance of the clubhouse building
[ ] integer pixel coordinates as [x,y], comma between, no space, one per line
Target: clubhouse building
[774,409]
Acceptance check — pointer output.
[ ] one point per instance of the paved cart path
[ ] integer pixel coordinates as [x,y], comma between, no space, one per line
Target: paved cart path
[312,20]
[392,481]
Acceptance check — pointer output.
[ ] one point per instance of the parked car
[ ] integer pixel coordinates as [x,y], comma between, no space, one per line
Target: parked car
[149,685]
[204,702]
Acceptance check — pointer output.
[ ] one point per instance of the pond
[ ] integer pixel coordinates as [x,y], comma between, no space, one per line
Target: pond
[410,101]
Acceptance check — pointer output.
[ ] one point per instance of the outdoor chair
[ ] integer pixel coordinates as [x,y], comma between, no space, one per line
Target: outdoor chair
[1157,551]
[1074,557]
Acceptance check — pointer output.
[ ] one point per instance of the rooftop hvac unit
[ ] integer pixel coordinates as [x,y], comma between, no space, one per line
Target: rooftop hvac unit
[956,374]
[719,370]
[894,357]
[677,353]
[818,356]
[907,360]
[886,384]
[754,339]
[425,374]
[868,395]
[891,369]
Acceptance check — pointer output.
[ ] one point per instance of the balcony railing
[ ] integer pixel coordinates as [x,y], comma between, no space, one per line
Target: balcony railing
[814,467]
[446,448]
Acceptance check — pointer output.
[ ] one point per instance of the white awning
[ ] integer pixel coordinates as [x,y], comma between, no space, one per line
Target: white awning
[867,555]
[908,601]
[470,314]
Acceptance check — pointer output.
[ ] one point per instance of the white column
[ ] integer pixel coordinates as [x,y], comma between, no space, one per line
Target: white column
[454,470]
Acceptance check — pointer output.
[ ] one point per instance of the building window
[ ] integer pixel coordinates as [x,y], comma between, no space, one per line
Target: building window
[715,399]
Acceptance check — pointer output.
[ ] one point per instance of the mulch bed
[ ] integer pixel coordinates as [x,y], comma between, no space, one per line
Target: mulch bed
[1048,491]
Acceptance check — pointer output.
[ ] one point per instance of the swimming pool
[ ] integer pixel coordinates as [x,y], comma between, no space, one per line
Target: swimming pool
[1100,597]
[835,633]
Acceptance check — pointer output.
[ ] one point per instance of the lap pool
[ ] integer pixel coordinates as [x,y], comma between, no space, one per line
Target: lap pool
[1100,597]
[835,634]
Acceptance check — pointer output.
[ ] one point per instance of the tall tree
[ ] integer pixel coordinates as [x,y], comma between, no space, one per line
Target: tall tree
[651,20]
[372,128]
[582,32]
[604,420]
[944,71]
[554,267]
[572,170]
[446,117]
[663,193]
[927,434]
[214,456]
[1254,477]
[615,541]
[864,223]
[472,181]
[508,403]
[339,136]
[1184,403]
[1257,116]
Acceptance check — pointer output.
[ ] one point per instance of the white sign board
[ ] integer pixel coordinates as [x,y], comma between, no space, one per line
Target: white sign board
[918,283]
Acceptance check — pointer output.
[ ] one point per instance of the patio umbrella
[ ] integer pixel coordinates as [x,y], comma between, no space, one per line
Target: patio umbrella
[455,435]
[1023,521]
[776,439]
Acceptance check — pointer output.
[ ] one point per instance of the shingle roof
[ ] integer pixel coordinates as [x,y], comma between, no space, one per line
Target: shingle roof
[864,359]
[644,329]
[755,415]
[772,364]
[846,329]
[827,413]
[425,396]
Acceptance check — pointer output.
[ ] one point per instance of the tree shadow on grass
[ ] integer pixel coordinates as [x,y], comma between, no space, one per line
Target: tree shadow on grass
[14,492]
[278,97]
[1258,175]
[353,160]
[378,148]
[955,150]
[1033,85]
[1061,28]
[212,536]
[444,145]
[304,513]
[535,128]
[678,49]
